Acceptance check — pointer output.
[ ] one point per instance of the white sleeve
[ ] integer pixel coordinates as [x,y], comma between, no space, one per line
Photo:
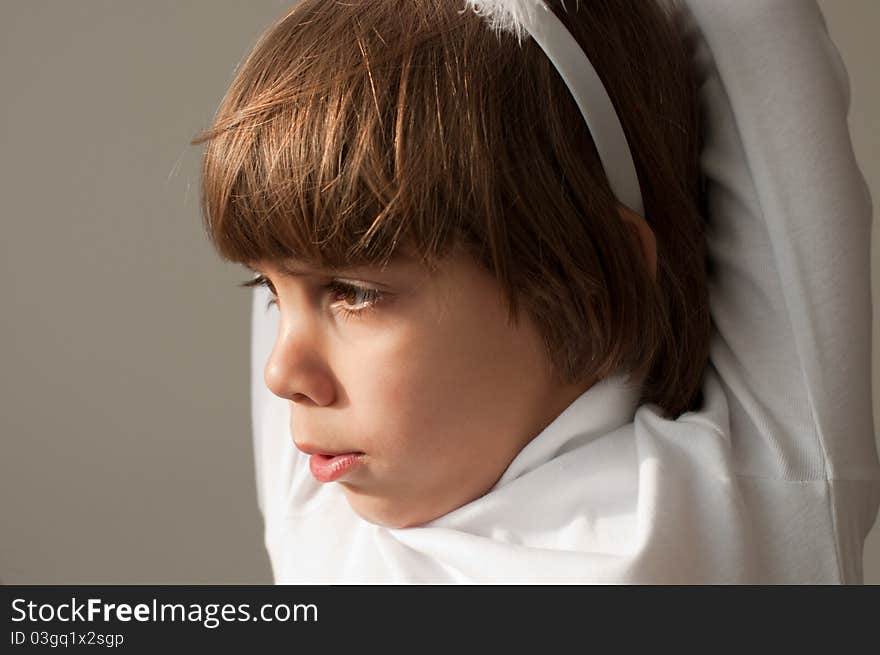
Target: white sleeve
[789,236]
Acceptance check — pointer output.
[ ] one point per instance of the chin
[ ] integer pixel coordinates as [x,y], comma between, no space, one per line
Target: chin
[386,512]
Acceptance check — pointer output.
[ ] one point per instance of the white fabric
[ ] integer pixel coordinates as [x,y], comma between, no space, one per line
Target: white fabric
[774,480]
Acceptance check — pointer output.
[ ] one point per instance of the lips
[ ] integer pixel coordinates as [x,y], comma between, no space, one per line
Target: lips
[331,467]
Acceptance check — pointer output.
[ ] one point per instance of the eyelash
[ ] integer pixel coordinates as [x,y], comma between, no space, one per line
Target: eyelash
[337,287]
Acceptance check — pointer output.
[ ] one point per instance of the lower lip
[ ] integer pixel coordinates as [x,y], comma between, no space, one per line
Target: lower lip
[329,468]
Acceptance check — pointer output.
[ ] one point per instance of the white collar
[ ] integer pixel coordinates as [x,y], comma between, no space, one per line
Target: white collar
[608,404]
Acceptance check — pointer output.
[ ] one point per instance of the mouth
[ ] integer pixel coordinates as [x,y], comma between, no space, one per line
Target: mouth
[331,467]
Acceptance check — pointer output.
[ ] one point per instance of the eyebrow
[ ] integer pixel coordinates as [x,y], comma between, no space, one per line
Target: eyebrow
[293,270]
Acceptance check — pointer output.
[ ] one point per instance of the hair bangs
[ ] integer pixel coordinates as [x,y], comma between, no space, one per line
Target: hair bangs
[336,161]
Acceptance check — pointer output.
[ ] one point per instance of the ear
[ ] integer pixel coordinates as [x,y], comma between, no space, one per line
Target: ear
[644,236]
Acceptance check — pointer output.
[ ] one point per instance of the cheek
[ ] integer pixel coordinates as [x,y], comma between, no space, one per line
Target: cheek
[407,385]
[436,389]
[412,387]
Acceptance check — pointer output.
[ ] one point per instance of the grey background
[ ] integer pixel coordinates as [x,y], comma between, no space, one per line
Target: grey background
[125,423]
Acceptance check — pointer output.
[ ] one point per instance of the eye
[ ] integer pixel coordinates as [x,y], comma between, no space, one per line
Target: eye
[355,299]
[355,295]
[359,299]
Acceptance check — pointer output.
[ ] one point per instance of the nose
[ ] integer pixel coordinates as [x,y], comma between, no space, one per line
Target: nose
[297,369]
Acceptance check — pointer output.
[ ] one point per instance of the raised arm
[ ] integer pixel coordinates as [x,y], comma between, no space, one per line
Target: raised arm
[789,227]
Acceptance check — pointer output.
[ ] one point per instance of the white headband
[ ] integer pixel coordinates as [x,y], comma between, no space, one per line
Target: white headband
[535,18]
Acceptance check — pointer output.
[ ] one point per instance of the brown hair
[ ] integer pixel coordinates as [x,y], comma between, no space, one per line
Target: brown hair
[353,129]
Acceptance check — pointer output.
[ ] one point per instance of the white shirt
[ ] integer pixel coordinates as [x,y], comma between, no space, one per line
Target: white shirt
[774,479]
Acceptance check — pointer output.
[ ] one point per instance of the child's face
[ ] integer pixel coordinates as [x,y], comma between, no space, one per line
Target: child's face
[431,384]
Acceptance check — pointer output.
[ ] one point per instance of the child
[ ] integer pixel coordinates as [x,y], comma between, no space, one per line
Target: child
[492,368]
